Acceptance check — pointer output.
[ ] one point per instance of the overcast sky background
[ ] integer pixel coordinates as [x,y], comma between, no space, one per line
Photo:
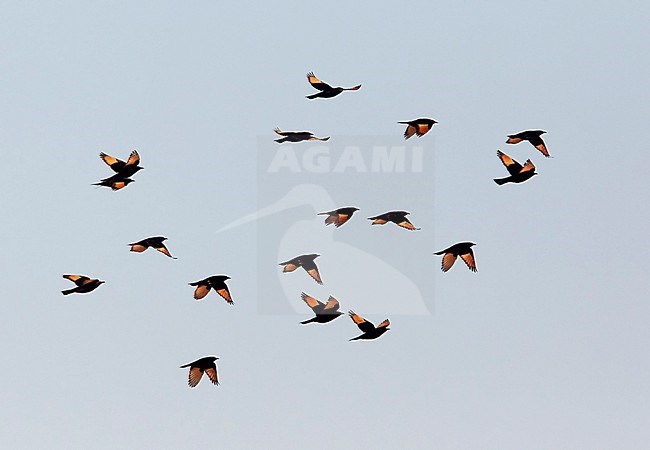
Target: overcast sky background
[545,347]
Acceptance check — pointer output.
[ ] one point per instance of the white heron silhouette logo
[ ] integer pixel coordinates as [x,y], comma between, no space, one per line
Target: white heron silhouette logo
[355,277]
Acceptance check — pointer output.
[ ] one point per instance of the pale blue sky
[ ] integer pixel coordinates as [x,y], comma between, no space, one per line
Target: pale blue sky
[545,347]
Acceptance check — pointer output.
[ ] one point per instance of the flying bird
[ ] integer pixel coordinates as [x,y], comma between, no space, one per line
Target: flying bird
[325,312]
[154,242]
[339,216]
[116,182]
[326,91]
[462,249]
[84,284]
[306,262]
[297,136]
[368,328]
[216,282]
[124,169]
[532,136]
[397,217]
[205,365]
[418,126]
[518,173]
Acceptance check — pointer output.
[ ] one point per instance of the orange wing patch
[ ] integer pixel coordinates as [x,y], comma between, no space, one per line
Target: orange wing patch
[108,159]
[226,295]
[512,140]
[357,318]
[505,159]
[311,301]
[410,131]
[384,324]
[289,268]
[469,260]
[164,251]
[134,158]
[332,304]
[379,222]
[201,291]
[73,278]
[422,129]
[212,375]
[448,261]
[408,225]
[340,219]
[312,78]
[118,185]
[330,220]
[315,275]
[542,148]
[138,248]
[195,376]
[528,167]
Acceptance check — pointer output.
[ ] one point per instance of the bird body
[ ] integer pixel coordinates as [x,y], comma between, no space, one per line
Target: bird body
[324,312]
[462,249]
[84,284]
[532,136]
[216,282]
[297,136]
[369,330]
[397,217]
[339,216]
[307,263]
[518,173]
[154,242]
[418,127]
[326,91]
[205,365]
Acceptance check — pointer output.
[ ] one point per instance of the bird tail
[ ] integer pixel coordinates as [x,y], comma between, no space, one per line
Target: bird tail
[500,181]
[355,338]
[313,319]
[67,291]
[313,96]
[441,252]
[405,123]
[280,141]
[186,365]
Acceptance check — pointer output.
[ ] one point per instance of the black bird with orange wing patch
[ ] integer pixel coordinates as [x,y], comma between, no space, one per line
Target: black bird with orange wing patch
[339,216]
[397,217]
[205,365]
[368,328]
[154,242]
[116,182]
[307,263]
[84,284]
[462,249]
[325,312]
[518,173]
[326,91]
[418,127]
[532,136]
[124,169]
[216,282]
[297,136]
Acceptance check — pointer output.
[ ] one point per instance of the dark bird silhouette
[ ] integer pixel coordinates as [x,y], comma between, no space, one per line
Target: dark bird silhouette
[518,173]
[368,328]
[216,282]
[205,365]
[418,126]
[116,182]
[154,242]
[124,169]
[84,284]
[397,217]
[339,216]
[297,136]
[325,312]
[462,249]
[306,262]
[532,136]
[326,91]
